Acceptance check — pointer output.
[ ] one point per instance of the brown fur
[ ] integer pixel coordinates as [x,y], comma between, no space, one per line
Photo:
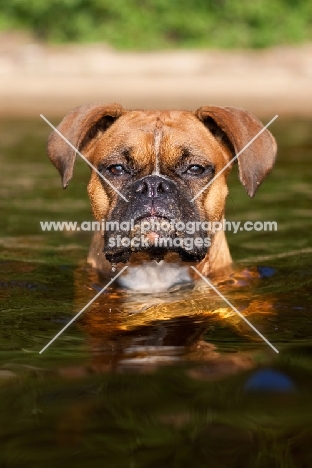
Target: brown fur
[146,139]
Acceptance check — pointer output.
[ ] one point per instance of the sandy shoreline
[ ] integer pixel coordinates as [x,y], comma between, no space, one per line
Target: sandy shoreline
[36,78]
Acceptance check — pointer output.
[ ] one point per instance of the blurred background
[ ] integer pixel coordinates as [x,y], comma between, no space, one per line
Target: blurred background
[156,53]
[183,382]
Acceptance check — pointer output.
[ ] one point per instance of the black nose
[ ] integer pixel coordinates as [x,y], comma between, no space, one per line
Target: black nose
[153,187]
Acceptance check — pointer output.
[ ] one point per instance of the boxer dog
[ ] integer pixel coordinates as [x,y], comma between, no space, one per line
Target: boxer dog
[151,174]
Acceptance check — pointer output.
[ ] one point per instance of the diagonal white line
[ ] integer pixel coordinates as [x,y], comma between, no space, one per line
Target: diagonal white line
[82,156]
[83,309]
[235,157]
[235,310]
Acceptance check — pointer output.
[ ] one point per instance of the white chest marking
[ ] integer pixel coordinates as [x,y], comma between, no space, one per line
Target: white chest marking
[153,277]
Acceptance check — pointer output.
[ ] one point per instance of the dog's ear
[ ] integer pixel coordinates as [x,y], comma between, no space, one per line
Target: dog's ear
[78,127]
[235,128]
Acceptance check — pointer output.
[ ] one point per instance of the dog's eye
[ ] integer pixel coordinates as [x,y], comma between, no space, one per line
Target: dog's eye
[195,170]
[116,169]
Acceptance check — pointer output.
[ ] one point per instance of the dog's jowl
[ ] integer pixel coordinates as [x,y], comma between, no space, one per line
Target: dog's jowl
[154,164]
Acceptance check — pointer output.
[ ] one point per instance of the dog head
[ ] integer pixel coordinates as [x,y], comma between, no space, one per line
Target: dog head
[153,171]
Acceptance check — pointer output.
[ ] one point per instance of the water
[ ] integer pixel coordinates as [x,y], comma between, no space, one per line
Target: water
[184,382]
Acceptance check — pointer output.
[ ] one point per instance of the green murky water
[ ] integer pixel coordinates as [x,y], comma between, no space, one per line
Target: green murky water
[184,382]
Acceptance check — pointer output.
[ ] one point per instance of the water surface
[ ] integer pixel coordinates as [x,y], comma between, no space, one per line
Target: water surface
[167,380]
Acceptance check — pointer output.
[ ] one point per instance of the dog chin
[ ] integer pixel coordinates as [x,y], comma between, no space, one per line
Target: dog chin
[124,255]
[152,253]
